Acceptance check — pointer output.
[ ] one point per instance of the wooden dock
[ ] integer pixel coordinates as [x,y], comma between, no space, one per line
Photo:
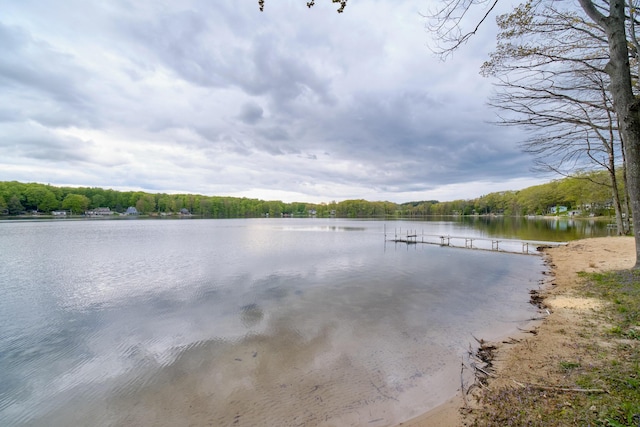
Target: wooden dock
[525,247]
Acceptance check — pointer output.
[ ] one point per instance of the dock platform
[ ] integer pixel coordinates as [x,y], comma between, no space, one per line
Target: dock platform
[526,247]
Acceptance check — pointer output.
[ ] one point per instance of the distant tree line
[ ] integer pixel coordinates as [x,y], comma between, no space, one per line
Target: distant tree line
[18,198]
[585,193]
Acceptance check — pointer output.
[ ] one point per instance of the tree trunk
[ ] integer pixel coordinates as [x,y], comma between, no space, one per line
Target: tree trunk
[627,206]
[617,205]
[626,107]
[632,154]
[625,194]
[624,101]
[613,178]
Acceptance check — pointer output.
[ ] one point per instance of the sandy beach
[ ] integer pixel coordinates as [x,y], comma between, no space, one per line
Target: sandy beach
[530,359]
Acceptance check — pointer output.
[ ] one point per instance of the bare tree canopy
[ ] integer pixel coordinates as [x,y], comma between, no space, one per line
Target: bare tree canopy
[615,20]
[549,65]
[611,18]
[343,4]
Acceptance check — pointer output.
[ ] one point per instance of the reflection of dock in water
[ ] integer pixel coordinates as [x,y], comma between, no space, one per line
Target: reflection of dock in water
[526,247]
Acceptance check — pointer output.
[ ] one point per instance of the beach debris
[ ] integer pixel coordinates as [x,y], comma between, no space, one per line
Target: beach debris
[533,331]
[537,298]
[559,389]
[482,362]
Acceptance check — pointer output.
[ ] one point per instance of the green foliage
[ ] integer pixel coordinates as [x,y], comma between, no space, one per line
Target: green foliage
[76,203]
[587,192]
[568,365]
[97,201]
[14,206]
[146,204]
[622,289]
[48,203]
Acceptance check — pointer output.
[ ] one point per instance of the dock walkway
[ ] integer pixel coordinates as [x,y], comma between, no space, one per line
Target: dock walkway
[526,247]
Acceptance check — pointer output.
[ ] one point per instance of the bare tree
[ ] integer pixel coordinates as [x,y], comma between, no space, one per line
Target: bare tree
[549,65]
[611,17]
[343,4]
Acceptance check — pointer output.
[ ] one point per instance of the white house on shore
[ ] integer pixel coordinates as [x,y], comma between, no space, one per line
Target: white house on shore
[99,212]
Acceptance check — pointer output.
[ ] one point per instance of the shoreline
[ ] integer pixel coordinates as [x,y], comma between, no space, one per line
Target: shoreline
[590,255]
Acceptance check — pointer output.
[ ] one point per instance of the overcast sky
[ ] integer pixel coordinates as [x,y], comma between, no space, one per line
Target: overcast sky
[217,98]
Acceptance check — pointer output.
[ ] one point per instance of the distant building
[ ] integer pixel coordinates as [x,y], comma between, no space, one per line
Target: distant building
[557,209]
[99,212]
[185,211]
[131,211]
[59,213]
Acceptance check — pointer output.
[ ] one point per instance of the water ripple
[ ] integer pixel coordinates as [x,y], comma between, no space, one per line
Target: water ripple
[163,323]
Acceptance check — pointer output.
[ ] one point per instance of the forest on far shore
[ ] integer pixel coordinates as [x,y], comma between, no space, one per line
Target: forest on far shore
[585,194]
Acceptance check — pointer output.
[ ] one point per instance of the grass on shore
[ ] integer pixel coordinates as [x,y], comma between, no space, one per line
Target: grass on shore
[601,382]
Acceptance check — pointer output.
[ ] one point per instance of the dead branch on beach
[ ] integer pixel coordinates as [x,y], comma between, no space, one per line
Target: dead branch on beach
[482,362]
[486,351]
[464,395]
[533,331]
[560,389]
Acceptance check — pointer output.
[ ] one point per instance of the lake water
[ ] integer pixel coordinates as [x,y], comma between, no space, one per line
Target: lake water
[274,322]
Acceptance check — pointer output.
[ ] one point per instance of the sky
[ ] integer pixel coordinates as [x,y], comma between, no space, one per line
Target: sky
[218,98]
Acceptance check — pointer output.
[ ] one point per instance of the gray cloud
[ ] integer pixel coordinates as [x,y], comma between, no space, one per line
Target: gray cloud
[251,113]
[36,143]
[218,98]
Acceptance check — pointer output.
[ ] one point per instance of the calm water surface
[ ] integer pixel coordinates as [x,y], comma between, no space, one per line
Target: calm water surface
[243,322]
